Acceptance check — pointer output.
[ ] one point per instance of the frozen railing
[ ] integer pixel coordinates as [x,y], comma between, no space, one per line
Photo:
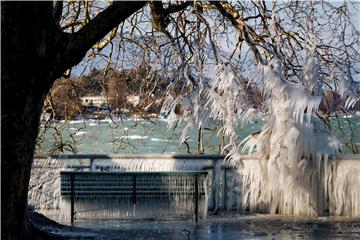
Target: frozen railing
[335,190]
[152,194]
[51,200]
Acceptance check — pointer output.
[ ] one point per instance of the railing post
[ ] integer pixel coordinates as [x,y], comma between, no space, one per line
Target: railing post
[196,197]
[134,194]
[72,198]
[225,189]
[92,160]
[213,186]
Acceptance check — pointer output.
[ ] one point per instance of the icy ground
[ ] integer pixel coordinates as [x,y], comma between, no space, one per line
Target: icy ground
[235,227]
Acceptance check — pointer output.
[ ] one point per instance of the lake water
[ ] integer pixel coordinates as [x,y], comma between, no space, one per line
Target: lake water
[137,135]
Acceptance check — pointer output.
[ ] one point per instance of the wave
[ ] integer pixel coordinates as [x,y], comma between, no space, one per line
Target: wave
[134,137]
[80,133]
[76,121]
[161,140]
[107,120]
[347,116]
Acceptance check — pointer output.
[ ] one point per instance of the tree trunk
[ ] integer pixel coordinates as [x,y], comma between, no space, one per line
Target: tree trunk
[34,53]
[27,74]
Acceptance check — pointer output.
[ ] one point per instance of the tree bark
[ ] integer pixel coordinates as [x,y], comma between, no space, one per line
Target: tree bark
[26,78]
[34,53]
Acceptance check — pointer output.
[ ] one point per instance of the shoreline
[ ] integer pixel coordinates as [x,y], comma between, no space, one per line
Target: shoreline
[146,115]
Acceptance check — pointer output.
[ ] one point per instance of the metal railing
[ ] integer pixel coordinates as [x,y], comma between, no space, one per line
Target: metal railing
[132,185]
[85,164]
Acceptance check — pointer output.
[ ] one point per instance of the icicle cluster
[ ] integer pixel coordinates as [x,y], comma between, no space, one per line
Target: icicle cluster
[312,79]
[45,197]
[227,101]
[189,100]
[349,89]
[151,164]
[223,98]
[44,186]
[334,190]
[290,146]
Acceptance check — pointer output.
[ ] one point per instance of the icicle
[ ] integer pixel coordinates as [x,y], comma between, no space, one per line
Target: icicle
[351,102]
[205,203]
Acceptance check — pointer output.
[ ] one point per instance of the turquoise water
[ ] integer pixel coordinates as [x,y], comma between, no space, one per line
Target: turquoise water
[137,135]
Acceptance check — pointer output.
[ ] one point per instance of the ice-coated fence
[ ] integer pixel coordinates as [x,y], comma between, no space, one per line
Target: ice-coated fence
[332,190]
[133,194]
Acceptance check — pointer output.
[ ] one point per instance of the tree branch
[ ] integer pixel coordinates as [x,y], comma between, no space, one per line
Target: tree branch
[160,15]
[57,11]
[107,40]
[228,11]
[177,8]
[80,42]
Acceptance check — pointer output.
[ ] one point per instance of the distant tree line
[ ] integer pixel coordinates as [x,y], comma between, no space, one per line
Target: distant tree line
[117,87]
[65,98]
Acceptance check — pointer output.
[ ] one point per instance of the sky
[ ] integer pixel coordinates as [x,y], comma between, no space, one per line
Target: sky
[225,45]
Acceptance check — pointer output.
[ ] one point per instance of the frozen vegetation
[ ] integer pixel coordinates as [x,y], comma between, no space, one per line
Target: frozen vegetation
[292,173]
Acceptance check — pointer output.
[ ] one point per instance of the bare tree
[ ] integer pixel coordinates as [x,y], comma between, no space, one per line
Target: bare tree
[42,40]
[35,52]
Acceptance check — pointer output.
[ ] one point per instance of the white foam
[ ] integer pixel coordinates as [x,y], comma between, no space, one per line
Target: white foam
[160,140]
[80,133]
[134,137]
[107,120]
[76,121]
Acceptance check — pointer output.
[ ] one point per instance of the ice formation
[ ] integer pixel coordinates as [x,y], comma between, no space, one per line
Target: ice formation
[349,88]
[289,171]
[334,190]
[44,186]
[45,197]
[110,196]
[293,150]
[227,101]
[223,98]
[295,172]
